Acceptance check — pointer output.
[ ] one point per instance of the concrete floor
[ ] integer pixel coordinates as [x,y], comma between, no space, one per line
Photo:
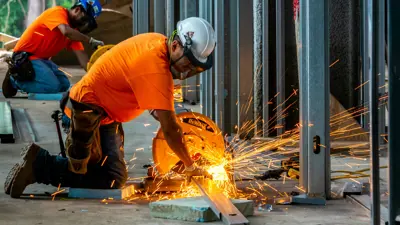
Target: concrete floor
[41,210]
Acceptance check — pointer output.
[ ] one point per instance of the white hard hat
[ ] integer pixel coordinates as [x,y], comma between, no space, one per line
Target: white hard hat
[201,34]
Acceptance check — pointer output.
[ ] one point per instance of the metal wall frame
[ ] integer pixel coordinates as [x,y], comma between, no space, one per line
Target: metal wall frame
[257,67]
[188,8]
[170,17]
[366,34]
[265,67]
[280,65]
[373,69]
[393,19]
[314,101]
[159,16]
[140,11]
[219,66]
[206,91]
[245,66]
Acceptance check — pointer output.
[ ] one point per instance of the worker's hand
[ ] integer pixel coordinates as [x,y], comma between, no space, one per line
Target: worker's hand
[195,170]
[95,43]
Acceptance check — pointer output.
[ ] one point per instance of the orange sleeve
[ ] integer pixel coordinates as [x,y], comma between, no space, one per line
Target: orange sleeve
[55,17]
[153,91]
[75,45]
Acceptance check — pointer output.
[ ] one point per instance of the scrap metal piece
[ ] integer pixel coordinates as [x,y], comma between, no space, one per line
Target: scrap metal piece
[270,174]
[220,204]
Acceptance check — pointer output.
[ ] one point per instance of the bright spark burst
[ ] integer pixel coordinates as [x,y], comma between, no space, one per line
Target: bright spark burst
[251,158]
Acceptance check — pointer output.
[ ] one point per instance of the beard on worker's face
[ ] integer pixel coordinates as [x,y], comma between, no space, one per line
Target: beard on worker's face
[175,73]
[74,23]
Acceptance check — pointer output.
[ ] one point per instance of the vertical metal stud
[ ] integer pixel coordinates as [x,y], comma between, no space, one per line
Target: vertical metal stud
[381,69]
[265,67]
[219,92]
[211,73]
[140,16]
[257,67]
[314,101]
[374,6]
[159,16]
[394,109]
[188,9]
[170,21]
[234,65]
[280,64]
[206,91]
[365,62]
[245,62]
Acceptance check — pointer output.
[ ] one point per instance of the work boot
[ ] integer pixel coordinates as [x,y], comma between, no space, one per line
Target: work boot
[8,89]
[10,179]
[25,174]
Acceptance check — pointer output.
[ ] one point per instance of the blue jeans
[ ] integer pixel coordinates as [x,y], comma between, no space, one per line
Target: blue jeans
[48,79]
[53,169]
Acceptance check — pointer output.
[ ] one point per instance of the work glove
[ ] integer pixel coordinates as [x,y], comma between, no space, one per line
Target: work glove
[95,43]
[195,170]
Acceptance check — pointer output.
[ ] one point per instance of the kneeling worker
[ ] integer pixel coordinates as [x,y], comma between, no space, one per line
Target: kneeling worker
[135,75]
[56,28]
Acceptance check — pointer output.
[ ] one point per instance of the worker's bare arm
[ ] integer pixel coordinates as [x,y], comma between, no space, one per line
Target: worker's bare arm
[73,34]
[82,58]
[173,135]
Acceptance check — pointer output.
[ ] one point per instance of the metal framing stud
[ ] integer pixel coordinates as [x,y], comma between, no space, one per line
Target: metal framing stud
[314,102]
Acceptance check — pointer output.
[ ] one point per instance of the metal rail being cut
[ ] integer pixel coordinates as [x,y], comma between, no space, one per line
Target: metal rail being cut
[220,204]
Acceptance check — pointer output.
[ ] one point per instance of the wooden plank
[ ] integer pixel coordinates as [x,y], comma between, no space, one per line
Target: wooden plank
[10,44]
[220,204]
[6,127]
[6,38]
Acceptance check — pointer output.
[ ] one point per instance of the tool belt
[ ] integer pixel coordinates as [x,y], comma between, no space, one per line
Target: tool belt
[20,67]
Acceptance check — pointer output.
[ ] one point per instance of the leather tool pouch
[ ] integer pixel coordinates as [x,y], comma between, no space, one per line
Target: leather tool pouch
[21,67]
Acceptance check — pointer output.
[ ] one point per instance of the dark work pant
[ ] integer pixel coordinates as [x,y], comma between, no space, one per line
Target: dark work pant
[109,173]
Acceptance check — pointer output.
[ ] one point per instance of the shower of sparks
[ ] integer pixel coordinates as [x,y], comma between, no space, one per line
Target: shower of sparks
[66,73]
[251,158]
[334,63]
[361,85]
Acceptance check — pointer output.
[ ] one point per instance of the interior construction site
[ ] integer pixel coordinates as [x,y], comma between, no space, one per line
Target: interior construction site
[295,121]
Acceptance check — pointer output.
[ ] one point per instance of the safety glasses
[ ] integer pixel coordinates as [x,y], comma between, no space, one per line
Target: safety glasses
[195,66]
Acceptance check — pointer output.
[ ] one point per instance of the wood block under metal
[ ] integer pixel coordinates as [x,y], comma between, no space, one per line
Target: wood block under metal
[160,185]
[195,209]
[6,126]
[116,194]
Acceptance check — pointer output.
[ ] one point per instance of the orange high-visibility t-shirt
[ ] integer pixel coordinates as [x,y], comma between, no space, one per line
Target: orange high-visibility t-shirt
[43,39]
[131,77]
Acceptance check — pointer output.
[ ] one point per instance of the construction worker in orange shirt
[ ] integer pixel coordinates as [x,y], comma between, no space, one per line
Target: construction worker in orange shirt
[31,69]
[133,76]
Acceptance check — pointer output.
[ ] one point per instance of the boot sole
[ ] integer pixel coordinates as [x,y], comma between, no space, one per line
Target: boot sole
[10,179]
[25,171]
